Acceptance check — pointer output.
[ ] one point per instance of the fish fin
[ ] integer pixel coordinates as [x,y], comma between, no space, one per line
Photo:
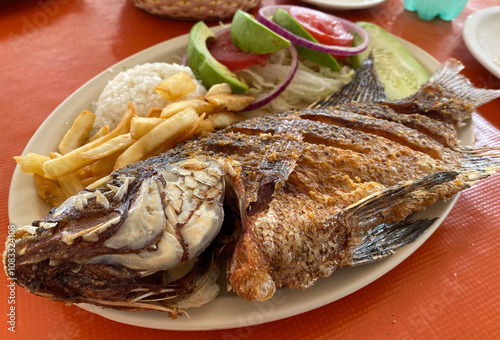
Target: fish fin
[381,241]
[480,159]
[382,221]
[368,211]
[473,176]
[379,238]
[447,76]
[365,87]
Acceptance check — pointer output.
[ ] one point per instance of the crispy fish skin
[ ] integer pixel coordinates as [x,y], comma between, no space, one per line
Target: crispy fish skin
[294,241]
[133,243]
[443,132]
[357,153]
[306,189]
[314,225]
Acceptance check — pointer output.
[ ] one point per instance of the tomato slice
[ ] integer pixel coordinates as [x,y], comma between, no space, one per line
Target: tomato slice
[325,29]
[224,51]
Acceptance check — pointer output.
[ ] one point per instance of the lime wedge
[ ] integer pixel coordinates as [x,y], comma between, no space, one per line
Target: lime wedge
[400,73]
[249,35]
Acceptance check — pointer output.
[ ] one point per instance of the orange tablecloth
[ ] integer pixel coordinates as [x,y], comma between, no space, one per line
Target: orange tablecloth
[448,289]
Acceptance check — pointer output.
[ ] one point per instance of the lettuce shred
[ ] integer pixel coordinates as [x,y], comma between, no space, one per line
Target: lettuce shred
[310,83]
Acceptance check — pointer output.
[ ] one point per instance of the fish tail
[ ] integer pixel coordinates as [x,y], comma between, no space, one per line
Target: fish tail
[480,159]
[476,175]
[381,220]
[410,196]
[381,232]
[381,241]
[447,76]
[372,210]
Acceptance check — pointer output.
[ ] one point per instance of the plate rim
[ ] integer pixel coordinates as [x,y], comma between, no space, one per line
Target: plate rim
[469,34]
[344,4]
[260,313]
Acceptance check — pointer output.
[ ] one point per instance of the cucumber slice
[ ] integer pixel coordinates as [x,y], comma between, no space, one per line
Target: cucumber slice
[400,73]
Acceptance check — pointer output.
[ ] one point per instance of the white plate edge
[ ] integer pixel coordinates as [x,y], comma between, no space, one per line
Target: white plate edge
[469,33]
[344,4]
[176,325]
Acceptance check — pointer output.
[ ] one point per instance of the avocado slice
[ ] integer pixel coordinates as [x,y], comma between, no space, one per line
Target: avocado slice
[399,72]
[251,36]
[205,67]
[285,20]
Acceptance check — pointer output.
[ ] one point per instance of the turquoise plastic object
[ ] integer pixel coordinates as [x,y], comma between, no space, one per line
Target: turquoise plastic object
[429,9]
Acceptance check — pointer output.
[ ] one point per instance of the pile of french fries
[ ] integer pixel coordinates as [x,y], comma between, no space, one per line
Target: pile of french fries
[83,159]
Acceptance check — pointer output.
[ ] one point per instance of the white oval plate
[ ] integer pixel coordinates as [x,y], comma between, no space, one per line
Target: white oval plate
[480,34]
[344,4]
[227,310]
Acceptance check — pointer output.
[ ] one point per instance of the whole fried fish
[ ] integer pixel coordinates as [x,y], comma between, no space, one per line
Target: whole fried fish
[307,192]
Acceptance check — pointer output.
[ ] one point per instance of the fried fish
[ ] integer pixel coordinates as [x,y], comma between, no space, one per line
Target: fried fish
[305,193]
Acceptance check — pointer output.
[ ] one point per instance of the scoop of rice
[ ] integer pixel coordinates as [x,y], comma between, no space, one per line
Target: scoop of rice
[137,85]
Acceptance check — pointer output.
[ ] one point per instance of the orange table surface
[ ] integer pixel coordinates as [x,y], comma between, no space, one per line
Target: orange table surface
[448,289]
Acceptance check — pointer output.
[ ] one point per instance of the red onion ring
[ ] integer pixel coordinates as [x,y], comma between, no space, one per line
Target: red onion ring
[266,12]
[184,60]
[263,100]
[281,87]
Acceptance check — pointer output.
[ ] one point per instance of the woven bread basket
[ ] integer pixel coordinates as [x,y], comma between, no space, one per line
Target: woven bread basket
[195,10]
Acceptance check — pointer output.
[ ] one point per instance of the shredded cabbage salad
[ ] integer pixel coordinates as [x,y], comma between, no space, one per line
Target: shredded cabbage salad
[311,82]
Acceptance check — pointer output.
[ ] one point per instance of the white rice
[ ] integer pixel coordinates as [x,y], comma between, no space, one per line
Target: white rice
[137,85]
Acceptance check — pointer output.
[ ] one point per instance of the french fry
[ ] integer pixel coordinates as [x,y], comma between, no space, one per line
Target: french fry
[101,132]
[207,125]
[89,180]
[192,130]
[32,163]
[70,162]
[139,126]
[113,145]
[176,86]
[199,105]
[188,134]
[99,168]
[224,119]
[78,132]
[124,124]
[222,88]
[154,113]
[50,191]
[70,184]
[53,155]
[230,102]
[163,135]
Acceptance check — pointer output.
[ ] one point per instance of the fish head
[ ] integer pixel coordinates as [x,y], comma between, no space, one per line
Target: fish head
[132,238]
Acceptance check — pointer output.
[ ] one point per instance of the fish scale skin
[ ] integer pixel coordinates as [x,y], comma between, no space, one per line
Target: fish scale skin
[65,269]
[437,103]
[442,132]
[323,182]
[268,255]
[305,186]
[383,128]
[368,151]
